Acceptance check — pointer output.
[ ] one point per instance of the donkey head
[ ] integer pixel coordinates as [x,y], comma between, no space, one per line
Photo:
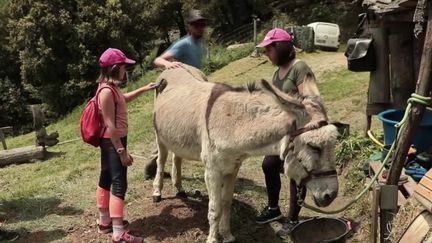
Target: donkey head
[310,162]
[309,152]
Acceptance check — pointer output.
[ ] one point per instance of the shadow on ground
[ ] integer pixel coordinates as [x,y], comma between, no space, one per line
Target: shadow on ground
[40,236]
[23,209]
[185,220]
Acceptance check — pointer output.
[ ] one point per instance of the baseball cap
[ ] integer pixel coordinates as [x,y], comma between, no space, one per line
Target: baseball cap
[195,15]
[275,35]
[113,56]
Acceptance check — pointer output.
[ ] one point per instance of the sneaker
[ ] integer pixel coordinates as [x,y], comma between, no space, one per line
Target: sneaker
[268,215]
[128,238]
[105,229]
[287,227]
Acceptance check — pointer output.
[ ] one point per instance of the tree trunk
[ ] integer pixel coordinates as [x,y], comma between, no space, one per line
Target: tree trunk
[20,155]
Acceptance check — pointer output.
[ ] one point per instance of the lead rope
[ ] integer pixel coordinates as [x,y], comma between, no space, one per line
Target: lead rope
[414,98]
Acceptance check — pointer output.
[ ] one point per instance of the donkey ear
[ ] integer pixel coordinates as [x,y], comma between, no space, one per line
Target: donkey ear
[343,128]
[283,99]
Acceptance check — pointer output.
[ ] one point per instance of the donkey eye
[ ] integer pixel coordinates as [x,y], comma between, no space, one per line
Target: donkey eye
[314,147]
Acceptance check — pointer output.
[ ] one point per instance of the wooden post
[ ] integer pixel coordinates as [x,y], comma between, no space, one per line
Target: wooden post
[374,215]
[401,62]
[416,114]
[388,204]
[4,130]
[417,110]
[379,81]
[2,138]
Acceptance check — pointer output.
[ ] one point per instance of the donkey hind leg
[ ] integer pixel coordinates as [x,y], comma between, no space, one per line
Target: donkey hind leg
[227,195]
[176,176]
[213,181]
[158,181]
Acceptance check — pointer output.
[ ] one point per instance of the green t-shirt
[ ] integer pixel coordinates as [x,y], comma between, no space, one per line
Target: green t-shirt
[293,78]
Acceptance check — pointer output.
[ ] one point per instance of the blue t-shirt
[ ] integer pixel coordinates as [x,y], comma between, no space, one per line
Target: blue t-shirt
[188,51]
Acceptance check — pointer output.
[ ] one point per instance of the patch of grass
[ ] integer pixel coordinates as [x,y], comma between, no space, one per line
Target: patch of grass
[343,83]
[219,57]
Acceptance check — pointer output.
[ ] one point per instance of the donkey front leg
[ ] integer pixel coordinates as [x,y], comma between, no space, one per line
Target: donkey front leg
[213,181]
[158,181]
[227,195]
[176,176]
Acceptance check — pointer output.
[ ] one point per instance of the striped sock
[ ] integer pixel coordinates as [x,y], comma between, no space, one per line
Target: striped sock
[117,231]
[104,218]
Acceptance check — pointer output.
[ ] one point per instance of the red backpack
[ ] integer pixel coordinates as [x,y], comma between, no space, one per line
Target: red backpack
[91,122]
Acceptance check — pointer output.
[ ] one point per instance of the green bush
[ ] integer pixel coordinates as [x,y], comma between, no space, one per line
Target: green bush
[219,56]
[13,104]
[59,42]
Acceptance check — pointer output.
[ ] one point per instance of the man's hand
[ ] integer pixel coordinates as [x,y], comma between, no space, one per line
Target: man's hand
[172,65]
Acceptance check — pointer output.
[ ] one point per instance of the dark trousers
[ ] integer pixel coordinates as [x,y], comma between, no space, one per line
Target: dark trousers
[113,176]
[272,167]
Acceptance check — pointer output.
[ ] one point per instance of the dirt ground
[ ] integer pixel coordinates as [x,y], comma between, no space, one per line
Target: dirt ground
[185,220]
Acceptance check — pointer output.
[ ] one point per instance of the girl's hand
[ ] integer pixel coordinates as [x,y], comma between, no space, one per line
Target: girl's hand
[126,159]
[150,86]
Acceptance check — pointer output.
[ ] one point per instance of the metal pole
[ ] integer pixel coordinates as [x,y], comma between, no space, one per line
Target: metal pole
[255,31]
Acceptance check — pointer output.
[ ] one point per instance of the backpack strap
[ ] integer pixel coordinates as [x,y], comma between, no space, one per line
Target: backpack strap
[115,94]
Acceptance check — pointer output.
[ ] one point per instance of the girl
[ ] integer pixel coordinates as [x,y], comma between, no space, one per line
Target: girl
[115,158]
[292,76]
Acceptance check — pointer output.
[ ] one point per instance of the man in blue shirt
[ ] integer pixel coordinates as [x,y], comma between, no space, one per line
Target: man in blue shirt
[190,48]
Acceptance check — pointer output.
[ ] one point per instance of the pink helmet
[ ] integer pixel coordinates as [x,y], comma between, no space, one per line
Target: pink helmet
[275,35]
[113,56]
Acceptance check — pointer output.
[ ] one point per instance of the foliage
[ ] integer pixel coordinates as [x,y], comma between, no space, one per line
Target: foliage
[354,147]
[354,150]
[49,49]
[59,43]
[12,103]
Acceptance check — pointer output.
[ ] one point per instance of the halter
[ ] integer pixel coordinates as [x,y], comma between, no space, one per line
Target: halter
[299,131]
[311,174]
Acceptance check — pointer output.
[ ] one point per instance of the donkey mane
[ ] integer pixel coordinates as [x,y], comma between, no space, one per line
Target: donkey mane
[250,87]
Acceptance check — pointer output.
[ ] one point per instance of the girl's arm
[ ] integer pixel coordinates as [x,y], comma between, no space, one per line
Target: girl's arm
[134,94]
[107,105]
[308,87]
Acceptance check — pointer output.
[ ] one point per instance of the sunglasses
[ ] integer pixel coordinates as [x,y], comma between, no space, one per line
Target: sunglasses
[199,24]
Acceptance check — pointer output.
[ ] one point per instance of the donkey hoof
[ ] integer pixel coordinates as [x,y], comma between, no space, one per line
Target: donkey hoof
[228,239]
[157,199]
[181,194]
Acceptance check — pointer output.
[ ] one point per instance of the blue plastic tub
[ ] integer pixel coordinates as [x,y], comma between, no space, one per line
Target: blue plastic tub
[423,137]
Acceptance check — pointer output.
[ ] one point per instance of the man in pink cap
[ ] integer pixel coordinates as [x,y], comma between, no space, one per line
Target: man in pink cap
[295,77]
[115,158]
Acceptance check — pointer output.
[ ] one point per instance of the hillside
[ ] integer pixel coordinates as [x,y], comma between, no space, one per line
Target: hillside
[54,200]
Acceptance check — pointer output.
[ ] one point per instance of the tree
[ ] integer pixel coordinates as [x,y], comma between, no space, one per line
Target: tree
[59,42]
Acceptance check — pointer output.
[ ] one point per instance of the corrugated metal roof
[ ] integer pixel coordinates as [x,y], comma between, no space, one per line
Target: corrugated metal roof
[388,6]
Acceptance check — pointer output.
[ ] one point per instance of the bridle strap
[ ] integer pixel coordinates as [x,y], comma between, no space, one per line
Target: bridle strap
[306,129]
[318,175]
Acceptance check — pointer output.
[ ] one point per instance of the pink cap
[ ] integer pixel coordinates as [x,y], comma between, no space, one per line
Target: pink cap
[113,56]
[275,35]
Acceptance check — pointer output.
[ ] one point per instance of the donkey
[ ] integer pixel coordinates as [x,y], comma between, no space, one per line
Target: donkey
[222,126]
